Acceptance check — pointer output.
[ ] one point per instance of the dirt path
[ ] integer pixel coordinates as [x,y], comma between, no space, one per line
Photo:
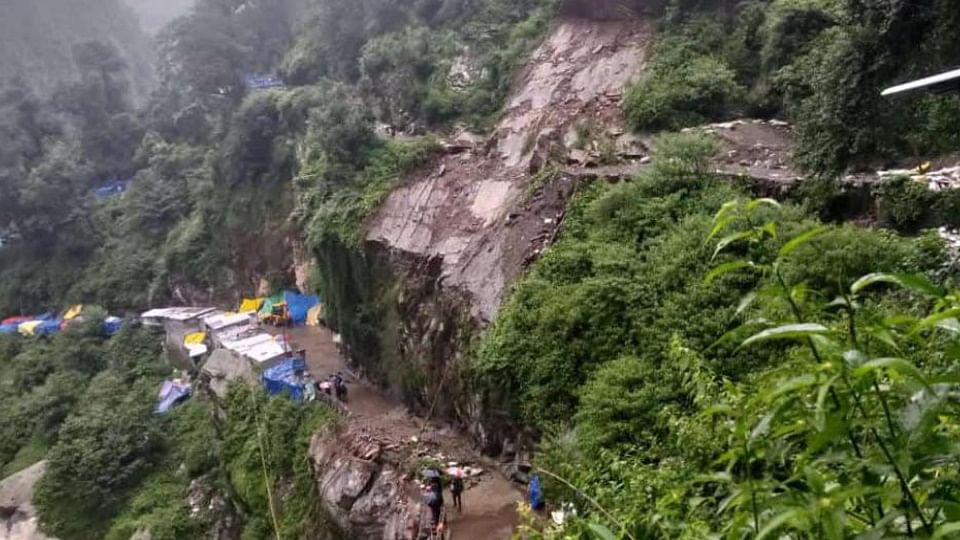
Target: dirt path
[489,505]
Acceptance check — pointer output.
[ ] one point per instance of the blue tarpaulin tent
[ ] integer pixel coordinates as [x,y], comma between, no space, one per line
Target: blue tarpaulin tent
[535,493]
[48,327]
[9,328]
[171,393]
[283,377]
[111,325]
[262,82]
[109,190]
[299,305]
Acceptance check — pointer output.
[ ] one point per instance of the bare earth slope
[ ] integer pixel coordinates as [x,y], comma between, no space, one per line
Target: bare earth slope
[473,211]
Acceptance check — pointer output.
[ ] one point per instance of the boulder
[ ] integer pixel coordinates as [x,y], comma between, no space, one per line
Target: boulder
[345,480]
[18,517]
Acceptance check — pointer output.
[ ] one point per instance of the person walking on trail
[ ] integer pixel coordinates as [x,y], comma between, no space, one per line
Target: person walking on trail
[456,489]
[433,498]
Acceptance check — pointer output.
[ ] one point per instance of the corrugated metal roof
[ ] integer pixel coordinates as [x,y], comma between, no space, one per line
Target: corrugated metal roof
[221,320]
[178,313]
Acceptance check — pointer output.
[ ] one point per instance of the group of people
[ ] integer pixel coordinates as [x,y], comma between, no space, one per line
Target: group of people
[432,490]
[335,386]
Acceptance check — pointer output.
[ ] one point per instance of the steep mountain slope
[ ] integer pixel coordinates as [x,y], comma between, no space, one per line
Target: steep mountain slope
[469,213]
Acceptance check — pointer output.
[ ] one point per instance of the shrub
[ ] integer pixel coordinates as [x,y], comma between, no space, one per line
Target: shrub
[904,203]
[681,88]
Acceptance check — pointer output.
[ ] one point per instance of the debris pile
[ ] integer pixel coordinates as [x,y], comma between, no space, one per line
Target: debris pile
[938,180]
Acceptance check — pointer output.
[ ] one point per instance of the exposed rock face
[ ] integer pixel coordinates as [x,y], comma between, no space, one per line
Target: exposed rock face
[365,497]
[18,517]
[460,211]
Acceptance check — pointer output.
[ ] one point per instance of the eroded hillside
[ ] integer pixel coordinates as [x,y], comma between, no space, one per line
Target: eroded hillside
[475,211]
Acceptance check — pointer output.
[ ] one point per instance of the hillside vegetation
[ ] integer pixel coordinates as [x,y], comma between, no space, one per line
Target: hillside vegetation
[691,362]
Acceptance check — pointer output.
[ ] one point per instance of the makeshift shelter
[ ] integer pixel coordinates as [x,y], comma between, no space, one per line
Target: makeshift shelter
[271,306]
[222,320]
[287,376]
[72,313]
[250,305]
[111,325]
[195,344]
[171,393]
[262,349]
[299,306]
[9,328]
[178,322]
[110,189]
[49,327]
[15,320]
[257,81]
[29,328]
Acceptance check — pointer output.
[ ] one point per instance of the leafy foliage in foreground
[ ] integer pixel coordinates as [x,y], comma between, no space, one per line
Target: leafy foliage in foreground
[721,390]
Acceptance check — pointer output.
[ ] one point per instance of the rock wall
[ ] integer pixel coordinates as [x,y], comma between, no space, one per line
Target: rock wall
[362,493]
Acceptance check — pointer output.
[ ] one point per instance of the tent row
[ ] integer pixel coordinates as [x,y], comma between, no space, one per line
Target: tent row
[52,323]
[232,344]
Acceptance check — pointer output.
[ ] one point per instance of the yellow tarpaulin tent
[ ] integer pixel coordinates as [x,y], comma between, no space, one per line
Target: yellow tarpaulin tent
[72,313]
[196,338]
[250,304]
[28,328]
[314,315]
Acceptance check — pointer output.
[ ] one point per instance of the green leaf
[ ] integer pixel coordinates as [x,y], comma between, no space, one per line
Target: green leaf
[796,383]
[775,523]
[770,228]
[601,532]
[945,529]
[896,364]
[802,239]
[820,415]
[721,220]
[790,331]
[726,268]
[935,320]
[735,237]
[745,303]
[914,282]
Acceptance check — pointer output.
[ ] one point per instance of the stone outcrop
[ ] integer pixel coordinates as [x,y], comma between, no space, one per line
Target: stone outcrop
[18,517]
[365,497]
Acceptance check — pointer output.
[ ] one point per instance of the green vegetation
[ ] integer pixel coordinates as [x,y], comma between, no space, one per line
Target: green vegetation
[114,467]
[700,364]
[671,388]
[821,64]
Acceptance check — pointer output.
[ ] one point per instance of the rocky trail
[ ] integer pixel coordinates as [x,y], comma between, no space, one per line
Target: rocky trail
[379,429]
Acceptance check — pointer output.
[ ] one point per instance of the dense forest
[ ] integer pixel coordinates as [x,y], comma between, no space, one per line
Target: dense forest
[688,360]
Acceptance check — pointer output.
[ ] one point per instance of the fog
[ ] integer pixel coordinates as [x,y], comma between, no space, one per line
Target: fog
[155,14]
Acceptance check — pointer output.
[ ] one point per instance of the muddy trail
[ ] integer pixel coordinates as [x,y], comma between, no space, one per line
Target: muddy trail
[490,500]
